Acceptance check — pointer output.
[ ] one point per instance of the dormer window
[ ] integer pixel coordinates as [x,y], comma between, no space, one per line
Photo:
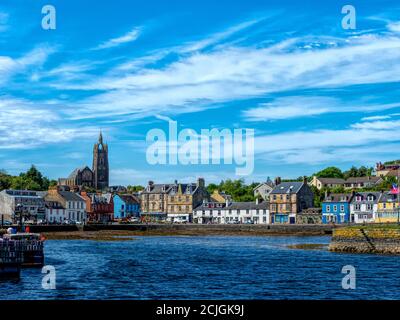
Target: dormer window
[358,198]
[370,198]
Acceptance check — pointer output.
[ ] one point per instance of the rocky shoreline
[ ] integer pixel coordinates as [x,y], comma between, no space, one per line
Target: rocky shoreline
[366,239]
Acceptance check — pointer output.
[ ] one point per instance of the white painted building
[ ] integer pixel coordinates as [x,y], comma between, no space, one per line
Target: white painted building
[65,206]
[29,203]
[75,206]
[263,190]
[364,207]
[55,212]
[236,212]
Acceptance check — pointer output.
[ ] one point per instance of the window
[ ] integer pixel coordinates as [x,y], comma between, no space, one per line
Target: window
[357,207]
[328,208]
[335,208]
[370,206]
[342,208]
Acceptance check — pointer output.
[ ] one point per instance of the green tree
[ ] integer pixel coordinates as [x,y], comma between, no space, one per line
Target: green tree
[5,180]
[330,172]
[136,188]
[238,189]
[211,187]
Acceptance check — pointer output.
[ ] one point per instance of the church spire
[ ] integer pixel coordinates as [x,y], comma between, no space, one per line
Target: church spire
[100,138]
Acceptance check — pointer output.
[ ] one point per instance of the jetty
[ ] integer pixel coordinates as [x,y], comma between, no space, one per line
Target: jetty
[11,258]
[20,250]
[32,248]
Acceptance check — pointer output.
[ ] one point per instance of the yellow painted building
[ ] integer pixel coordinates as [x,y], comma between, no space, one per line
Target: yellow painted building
[388,209]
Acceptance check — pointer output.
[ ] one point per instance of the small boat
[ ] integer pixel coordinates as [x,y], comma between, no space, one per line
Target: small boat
[11,258]
[32,248]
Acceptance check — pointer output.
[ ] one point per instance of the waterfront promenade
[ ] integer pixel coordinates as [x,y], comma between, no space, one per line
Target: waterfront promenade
[113,231]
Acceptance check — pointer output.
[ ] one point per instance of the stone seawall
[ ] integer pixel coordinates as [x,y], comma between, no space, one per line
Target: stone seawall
[366,240]
[219,229]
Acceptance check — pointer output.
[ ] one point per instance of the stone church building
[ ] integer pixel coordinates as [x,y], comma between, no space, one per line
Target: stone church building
[98,176]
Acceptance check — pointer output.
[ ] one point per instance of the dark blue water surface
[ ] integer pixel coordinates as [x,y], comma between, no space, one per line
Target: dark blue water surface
[205,268]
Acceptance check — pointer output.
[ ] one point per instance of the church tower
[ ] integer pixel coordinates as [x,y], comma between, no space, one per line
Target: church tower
[100,164]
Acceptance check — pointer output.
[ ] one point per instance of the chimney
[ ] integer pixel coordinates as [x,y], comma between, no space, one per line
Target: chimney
[256,200]
[277,181]
[305,180]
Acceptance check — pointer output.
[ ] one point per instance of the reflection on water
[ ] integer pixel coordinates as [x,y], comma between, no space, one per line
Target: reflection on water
[212,267]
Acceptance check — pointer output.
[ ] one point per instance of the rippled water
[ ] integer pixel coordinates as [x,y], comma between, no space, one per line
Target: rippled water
[205,268]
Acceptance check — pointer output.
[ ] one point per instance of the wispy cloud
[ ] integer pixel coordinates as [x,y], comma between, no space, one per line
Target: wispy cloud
[306,106]
[202,79]
[394,26]
[373,118]
[319,146]
[35,58]
[25,125]
[115,42]
[217,37]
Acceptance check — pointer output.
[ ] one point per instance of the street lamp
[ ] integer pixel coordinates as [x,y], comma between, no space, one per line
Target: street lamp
[19,210]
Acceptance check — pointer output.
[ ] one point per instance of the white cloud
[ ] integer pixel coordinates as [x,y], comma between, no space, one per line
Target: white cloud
[319,146]
[381,125]
[217,37]
[115,42]
[305,106]
[199,80]
[291,107]
[25,125]
[34,59]
[373,118]
[394,26]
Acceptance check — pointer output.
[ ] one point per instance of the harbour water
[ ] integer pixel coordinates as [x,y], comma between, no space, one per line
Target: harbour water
[212,267]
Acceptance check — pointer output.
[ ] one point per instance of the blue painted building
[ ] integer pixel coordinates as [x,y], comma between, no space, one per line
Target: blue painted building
[126,206]
[336,208]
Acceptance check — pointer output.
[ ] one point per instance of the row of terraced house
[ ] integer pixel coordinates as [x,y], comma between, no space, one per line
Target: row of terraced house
[277,202]
[60,205]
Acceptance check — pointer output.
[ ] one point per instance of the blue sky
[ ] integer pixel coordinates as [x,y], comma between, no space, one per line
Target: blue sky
[315,94]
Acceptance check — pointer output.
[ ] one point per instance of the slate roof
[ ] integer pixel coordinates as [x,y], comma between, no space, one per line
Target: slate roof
[173,188]
[365,195]
[22,193]
[363,179]
[339,197]
[248,205]
[129,199]
[388,197]
[187,188]
[70,196]
[158,188]
[331,180]
[76,171]
[287,187]
[268,183]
